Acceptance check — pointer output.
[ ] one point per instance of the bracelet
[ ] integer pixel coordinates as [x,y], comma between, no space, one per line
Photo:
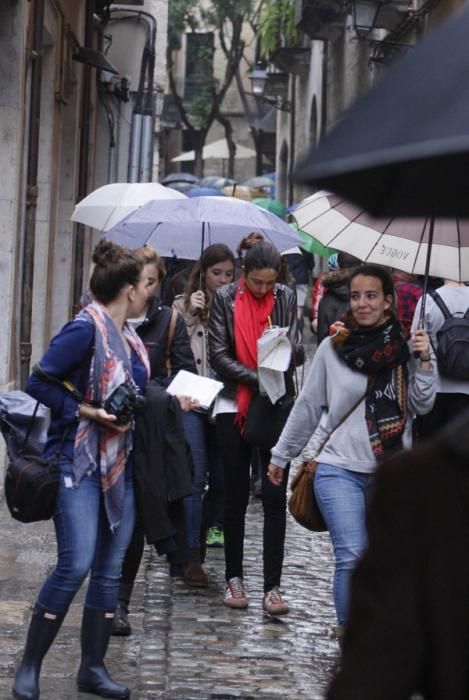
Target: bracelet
[425,357]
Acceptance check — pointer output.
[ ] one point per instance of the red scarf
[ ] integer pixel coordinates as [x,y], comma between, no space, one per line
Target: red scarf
[251,317]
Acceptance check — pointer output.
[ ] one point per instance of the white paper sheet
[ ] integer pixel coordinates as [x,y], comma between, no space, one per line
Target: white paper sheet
[273,359]
[202,389]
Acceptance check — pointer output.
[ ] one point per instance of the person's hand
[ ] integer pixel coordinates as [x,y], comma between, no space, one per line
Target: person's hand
[187,403]
[275,474]
[421,344]
[314,325]
[197,301]
[106,419]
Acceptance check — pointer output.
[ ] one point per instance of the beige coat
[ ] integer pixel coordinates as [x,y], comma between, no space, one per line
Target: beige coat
[197,335]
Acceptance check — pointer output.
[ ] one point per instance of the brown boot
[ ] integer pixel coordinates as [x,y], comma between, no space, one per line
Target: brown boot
[194,575]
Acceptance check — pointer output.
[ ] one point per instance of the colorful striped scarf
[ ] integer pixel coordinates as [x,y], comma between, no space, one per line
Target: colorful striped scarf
[94,443]
[382,354]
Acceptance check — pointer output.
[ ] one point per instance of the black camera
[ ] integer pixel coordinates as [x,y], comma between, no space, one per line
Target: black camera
[125,403]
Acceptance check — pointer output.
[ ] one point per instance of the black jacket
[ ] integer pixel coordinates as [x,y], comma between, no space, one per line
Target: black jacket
[154,333]
[162,471]
[221,336]
[335,301]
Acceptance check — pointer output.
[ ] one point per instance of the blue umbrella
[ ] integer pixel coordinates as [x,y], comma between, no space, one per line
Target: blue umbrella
[184,227]
[205,192]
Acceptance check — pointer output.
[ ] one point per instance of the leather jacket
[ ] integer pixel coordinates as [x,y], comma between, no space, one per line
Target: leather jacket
[221,337]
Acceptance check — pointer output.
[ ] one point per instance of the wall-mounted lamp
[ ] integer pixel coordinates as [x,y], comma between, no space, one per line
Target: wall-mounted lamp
[271,88]
[94,58]
[369,15]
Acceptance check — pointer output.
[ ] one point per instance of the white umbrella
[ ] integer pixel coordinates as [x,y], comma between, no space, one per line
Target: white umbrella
[108,205]
[185,228]
[217,149]
[398,243]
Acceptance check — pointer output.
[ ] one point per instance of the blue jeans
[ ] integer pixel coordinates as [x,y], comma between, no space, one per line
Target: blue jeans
[202,439]
[86,544]
[341,496]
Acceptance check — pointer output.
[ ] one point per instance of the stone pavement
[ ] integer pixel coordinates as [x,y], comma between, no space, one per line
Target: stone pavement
[186,644]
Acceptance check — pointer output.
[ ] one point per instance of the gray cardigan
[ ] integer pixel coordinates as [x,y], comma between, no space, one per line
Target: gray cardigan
[330,390]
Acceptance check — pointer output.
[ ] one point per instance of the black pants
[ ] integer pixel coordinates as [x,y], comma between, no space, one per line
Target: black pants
[445,408]
[236,456]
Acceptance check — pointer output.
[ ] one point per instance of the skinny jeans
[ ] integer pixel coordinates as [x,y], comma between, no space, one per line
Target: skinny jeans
[236,456]
[342,495]
[85,543]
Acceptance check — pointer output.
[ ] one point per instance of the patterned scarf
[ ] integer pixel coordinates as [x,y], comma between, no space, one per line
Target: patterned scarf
[382,354]
[251,316]
[110,367]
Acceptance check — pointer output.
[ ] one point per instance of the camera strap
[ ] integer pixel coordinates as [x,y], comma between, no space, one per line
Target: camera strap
[65,384]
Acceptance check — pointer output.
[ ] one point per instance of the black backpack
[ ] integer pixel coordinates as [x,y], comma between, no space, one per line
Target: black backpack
[452,351]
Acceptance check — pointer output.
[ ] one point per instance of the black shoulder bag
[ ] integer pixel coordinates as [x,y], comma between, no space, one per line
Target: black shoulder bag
[32,481]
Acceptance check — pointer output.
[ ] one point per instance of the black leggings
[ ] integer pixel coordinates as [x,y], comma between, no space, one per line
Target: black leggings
[236,456]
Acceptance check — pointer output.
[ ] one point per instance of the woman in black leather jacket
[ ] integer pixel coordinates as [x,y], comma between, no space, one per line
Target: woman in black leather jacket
[240,313]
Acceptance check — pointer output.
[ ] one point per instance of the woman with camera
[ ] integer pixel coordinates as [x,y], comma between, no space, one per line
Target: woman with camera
[215,268]
[103,357]
[240,313]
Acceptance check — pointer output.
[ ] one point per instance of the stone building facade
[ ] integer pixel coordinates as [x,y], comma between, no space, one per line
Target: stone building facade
[65,130]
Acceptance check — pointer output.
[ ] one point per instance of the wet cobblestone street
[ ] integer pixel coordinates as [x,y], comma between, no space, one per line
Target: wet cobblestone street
[185,643]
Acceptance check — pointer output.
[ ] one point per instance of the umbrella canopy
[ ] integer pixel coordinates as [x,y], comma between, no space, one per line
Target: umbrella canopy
[180,177]
[275,206]
[403,150]
[183,228]
[259,181]
[217,149]
[209,180]
[205,192]
[107,205]
[311,245]
[397,243]
[224,182]
[239,192]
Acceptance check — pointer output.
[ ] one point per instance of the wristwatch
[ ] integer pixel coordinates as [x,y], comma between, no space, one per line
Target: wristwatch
[425,356]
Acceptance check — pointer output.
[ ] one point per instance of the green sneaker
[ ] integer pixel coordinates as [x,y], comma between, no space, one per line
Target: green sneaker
[215,537]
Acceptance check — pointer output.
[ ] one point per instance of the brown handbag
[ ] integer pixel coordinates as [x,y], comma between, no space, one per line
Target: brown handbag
[302,503]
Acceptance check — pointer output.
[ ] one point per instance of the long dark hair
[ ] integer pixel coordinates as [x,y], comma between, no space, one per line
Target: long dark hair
[212,255]
[115,267]
[370,270]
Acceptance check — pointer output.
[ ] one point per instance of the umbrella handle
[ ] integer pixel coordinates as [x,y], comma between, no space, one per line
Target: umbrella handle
[425,281]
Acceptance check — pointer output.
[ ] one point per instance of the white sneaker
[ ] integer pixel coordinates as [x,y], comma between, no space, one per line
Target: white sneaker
[235,595]
[273,603]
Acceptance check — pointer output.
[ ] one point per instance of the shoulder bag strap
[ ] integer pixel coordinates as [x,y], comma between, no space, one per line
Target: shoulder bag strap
[347,415]
[171,332]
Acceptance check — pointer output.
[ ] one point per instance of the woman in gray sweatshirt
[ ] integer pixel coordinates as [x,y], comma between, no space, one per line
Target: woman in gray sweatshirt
[368,358]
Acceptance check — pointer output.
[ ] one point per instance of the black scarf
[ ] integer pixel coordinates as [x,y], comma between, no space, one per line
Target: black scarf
[382,354]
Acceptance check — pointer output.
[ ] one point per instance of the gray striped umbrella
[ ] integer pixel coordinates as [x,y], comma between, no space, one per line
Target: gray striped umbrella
[398,243]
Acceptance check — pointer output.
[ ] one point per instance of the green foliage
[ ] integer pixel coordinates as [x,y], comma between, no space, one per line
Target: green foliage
[181,14]
[276,25]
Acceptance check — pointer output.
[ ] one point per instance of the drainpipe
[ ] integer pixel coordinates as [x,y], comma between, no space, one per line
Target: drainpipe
[324,90]
[292,138]
[31,191]
[83,162]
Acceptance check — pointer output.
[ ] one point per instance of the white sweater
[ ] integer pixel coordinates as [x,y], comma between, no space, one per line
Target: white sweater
[330,390]
[457,300]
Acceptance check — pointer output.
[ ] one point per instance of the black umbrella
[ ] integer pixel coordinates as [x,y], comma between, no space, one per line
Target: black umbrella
[403,150]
